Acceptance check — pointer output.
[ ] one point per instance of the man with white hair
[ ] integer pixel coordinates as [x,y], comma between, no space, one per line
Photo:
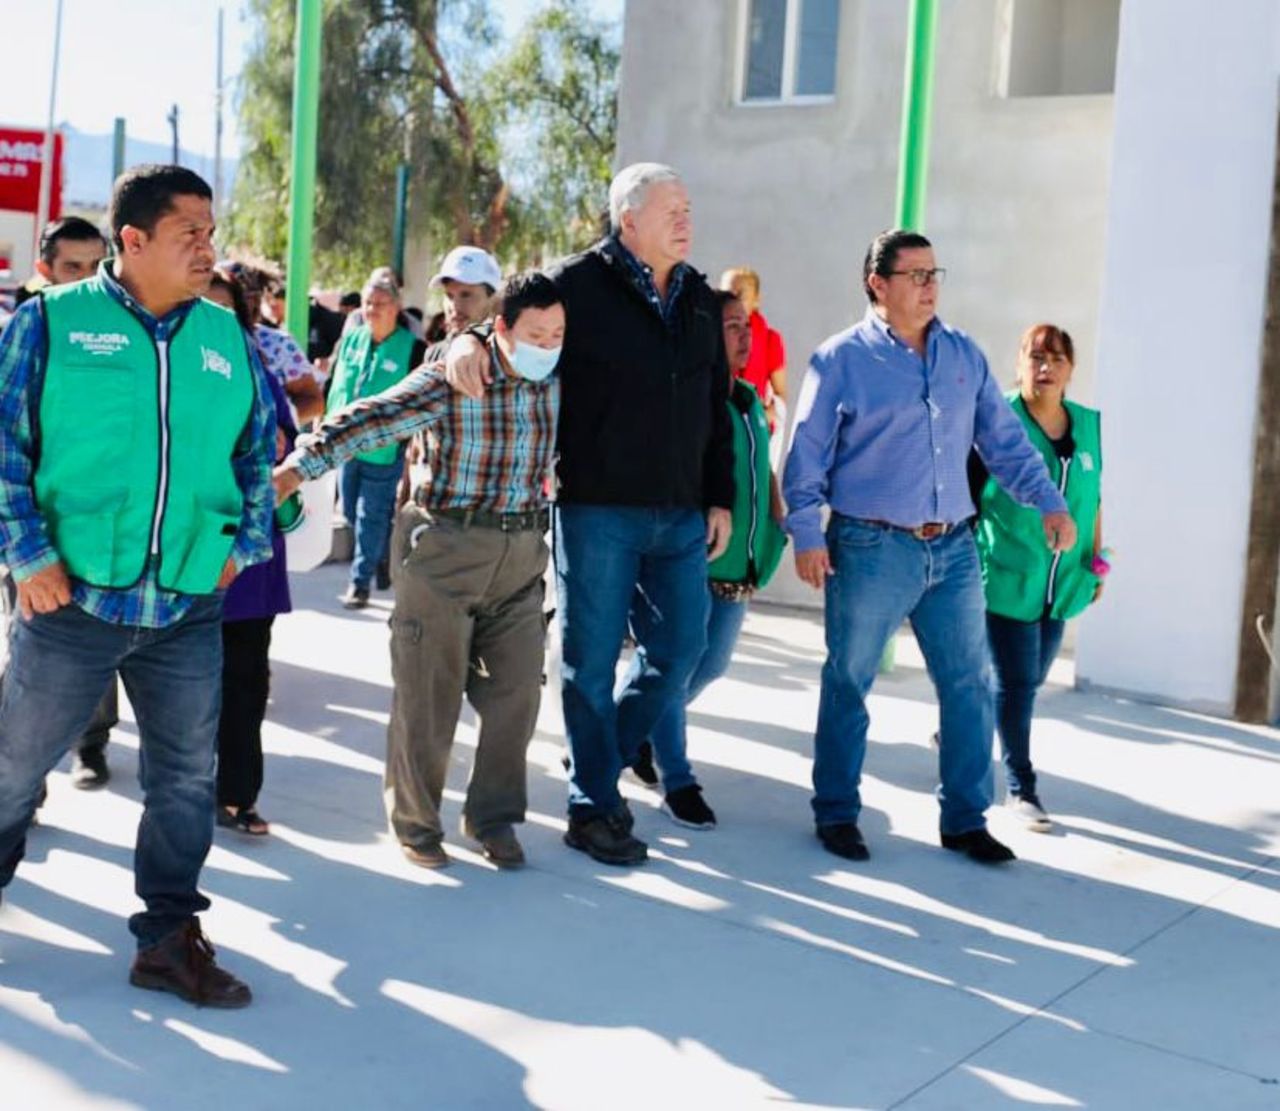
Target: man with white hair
[645,488]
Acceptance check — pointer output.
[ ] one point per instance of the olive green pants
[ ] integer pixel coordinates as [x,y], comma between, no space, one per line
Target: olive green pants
[467,621]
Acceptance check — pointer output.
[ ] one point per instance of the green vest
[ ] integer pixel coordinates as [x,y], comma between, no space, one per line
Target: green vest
[362,368]
[136,439]
[1023,579]
[756,544]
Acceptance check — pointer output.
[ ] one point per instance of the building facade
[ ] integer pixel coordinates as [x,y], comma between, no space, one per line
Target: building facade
[1082,151]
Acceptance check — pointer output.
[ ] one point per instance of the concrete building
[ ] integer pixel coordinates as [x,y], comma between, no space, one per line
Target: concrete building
[784,115]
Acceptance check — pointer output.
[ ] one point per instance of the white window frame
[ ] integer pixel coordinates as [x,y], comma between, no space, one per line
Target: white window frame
[790,50]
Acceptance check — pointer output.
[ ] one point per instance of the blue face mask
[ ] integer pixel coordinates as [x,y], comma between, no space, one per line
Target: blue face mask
[535,363]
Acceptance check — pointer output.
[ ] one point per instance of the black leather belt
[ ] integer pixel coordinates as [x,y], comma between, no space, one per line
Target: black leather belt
[930,530]
[535,520]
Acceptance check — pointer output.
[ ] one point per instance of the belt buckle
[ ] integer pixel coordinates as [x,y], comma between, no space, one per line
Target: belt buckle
[930,531]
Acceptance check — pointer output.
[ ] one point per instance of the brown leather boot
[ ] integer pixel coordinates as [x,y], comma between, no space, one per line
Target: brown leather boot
[183,964]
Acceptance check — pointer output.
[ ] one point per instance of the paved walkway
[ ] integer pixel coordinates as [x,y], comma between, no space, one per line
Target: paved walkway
[1129,960]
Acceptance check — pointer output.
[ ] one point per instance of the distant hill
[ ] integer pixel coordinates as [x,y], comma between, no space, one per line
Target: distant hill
[87,176]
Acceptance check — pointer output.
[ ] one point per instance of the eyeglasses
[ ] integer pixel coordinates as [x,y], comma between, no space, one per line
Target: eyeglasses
[923,277]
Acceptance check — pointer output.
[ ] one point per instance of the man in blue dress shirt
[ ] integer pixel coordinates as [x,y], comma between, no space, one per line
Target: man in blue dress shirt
[888,413]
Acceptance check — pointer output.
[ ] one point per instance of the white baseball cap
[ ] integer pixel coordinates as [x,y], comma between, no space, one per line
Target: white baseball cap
[469,265]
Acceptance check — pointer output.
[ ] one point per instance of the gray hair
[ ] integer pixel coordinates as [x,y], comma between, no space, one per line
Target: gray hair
[632,183]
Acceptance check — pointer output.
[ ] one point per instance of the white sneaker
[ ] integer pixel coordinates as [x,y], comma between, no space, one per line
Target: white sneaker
[1030,813]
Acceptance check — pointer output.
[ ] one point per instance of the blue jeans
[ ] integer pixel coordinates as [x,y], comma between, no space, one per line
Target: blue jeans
[603,554]
[368,504]
[59,664]
[670,743]
[881,577]
[1023,652]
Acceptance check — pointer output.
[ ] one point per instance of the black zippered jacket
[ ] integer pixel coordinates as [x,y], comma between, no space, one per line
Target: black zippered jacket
[643,419]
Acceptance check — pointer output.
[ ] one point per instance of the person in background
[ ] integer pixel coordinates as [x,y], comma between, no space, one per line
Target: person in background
[71,249]
[434,330]
[468,278]
[755,550]
[766,369]
[1032,592]
[249,608]
[324,329]
[888,414]
[373,356]
[279,351]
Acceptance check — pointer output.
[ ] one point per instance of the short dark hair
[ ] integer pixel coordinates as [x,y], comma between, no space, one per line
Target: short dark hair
[350,299]
[530,289]
[144,194]
[726,297]
[882,255]
[224,278]
[72,229]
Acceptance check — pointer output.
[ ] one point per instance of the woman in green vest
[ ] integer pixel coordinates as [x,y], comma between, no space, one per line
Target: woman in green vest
[371,358]
[754,551]
[1031,591]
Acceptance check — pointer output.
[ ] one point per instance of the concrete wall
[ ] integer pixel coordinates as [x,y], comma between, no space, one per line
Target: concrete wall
[1017,185]
[1180,336]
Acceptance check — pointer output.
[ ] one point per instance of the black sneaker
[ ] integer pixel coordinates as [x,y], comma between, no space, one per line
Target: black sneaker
[89,769]
[356,598]
[686,808]
[979,845]
[642,767]
[844,839]
[606,838]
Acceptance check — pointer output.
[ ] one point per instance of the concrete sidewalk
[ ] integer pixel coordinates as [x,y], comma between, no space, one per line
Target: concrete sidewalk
[1130,959]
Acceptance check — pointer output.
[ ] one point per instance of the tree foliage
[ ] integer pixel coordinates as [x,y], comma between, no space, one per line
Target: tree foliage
[510,146]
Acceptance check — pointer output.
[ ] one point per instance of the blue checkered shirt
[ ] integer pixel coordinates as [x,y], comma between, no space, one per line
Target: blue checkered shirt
[24,540]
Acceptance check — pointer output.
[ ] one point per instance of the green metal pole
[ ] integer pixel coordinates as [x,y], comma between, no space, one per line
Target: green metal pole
[402,204]
[913,160]
[917,108]
[117,149]
[302,180]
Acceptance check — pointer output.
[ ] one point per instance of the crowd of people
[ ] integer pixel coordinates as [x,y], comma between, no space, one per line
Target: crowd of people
[614,418]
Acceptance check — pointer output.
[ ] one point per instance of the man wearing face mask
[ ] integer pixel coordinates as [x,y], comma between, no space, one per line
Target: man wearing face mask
[470,558]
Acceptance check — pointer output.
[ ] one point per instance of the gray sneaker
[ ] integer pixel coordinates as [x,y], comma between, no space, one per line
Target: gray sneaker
[1027,809]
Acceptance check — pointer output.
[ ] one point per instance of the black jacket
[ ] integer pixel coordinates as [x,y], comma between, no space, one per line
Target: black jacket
[643,420]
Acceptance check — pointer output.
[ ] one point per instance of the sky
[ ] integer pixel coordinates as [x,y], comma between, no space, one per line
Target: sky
[136,58]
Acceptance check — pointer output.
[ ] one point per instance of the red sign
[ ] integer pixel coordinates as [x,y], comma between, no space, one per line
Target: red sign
[21,160]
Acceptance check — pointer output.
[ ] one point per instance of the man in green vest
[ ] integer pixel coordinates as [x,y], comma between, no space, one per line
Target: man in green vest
[135,451]
[371,358]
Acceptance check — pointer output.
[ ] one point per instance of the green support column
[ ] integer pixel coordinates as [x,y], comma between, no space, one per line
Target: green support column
[302,180]
[117,149]
[913,161]
[917,108]
[402,221]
